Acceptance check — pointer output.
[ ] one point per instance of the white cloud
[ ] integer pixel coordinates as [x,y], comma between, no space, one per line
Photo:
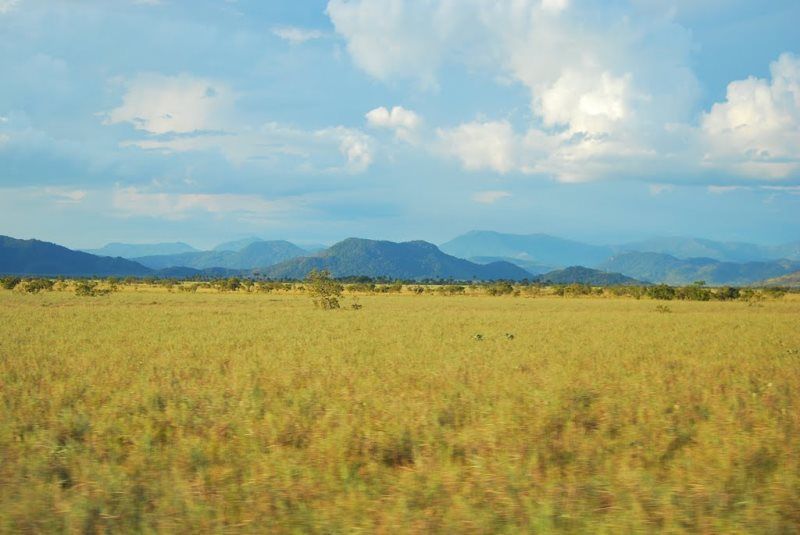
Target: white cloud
[604,81]
[482,145]
[720,190]
[273,143]
[658,189]
[4,138]
[160,104]
[490,197]
[188,114]
[756,131]
[66,196]
[355,146]
[134,202]
[404,122]
[555,5]
[7,6]
[295,35]
[584,102]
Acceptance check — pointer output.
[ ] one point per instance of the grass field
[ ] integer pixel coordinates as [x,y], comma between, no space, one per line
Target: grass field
[151,411]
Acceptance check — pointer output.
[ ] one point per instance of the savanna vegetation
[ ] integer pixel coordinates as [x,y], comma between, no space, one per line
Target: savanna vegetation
[236,405]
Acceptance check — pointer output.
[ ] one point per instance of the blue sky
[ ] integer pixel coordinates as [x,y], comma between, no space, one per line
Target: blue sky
[209,120]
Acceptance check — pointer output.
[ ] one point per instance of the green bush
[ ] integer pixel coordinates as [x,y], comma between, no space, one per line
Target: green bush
[663,292]
[325,291]
[9,283]
[34,286]
[500,288]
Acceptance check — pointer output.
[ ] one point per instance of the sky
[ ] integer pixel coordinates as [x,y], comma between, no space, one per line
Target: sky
[208,120]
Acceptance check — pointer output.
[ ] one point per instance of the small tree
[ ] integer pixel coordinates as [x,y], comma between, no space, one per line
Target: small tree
[9,283]
[324,291]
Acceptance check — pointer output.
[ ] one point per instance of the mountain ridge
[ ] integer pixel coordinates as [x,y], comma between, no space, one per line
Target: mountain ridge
[257,254]
[667,269]
[413,260]
[133,250]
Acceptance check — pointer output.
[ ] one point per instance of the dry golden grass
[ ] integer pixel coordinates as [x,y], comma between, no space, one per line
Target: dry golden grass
[152,411]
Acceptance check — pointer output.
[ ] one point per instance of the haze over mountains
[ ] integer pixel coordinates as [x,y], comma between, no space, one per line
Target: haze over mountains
[34,257]
[252,254]
[408,260]
[477,255]
[133,250]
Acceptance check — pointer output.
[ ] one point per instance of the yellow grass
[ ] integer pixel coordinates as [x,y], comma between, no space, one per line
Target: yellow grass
[152,411]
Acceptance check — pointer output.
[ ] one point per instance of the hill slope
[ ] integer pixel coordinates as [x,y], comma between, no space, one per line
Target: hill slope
[723,251]
[667,269]
[538,248]
[255,255]
[593,277]
[34,257]
[414,260]
[237,245]
[792,280]
[528,265]
[134,250]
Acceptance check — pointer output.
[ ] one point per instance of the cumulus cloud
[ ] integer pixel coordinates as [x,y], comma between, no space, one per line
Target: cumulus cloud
[404,122]
[131,202]
[601,78]
[490,197]
[7,5]
[66,196]
[756,131]
[482,145]
[611,90]
[160,104]
[185,113]
[658,189]
[273,143]
[295,35]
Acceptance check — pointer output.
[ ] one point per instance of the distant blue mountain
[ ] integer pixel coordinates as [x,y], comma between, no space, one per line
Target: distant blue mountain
[661,268]
[236,245]
[34,257]
[415,260]
[257,254]
[540,249]
[723,251]
[134,250]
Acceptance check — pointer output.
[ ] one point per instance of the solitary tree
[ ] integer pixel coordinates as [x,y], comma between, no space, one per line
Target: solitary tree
[324,291]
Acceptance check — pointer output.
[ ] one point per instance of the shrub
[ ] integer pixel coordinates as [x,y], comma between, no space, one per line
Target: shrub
[452,289]
[9,283]
[87,288]
[694,293]
[325,291]
[34,286]
[728,294]
[500,288]
[663,292]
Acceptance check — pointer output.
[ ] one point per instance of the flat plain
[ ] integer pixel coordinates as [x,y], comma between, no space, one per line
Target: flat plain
[151,411]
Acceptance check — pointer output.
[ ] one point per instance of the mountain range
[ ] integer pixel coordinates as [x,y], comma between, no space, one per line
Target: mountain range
[34,257]
[540,249]
[792,280]
[253,254]
[722,251]
[480,255]
[543,250]
[668,269]
[415,260]
[133,250]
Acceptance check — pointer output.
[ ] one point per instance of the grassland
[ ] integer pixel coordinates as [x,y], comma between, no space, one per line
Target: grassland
[151,411]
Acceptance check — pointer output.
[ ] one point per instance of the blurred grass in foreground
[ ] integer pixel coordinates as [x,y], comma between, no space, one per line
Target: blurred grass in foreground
[152,411]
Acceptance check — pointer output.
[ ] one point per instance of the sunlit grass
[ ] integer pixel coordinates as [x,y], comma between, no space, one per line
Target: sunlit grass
[157,411]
